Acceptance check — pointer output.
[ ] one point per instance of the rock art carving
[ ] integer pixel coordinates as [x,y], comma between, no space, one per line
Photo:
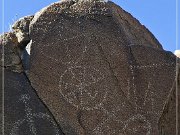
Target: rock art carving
[24,111]
[30,117]
[97,70]
[80,84]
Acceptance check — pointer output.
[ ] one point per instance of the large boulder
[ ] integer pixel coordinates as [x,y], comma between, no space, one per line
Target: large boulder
[98,70]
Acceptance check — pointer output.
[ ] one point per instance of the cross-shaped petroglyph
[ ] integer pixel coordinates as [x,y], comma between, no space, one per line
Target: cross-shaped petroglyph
[31,118]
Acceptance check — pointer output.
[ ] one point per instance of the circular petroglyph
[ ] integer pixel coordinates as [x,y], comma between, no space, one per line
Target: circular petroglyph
[83,87]
[137,125]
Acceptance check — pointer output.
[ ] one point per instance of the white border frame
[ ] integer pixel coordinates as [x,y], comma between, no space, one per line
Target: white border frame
[177,71]
[3,71]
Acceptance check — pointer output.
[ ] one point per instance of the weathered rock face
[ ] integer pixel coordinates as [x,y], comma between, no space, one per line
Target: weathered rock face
[25,114]
[169,121]
[96,71]
[99,71]
[12,58]
[21,29]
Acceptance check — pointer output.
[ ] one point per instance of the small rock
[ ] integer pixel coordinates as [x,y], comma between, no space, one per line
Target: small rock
[12,53]
[21,29]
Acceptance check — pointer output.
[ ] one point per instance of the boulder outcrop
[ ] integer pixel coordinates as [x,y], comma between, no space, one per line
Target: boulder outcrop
[96,71]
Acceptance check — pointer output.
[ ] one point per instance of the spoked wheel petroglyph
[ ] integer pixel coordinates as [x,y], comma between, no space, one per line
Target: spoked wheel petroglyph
[31,118]
[82,87]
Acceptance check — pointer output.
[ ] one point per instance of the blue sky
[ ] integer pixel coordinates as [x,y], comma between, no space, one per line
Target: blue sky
[159,16]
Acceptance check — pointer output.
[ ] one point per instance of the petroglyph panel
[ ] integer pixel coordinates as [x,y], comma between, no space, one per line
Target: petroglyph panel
[83,64]
[24,112]
[31,119]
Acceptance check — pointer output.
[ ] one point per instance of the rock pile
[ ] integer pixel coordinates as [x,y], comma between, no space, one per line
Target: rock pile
[93,70]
